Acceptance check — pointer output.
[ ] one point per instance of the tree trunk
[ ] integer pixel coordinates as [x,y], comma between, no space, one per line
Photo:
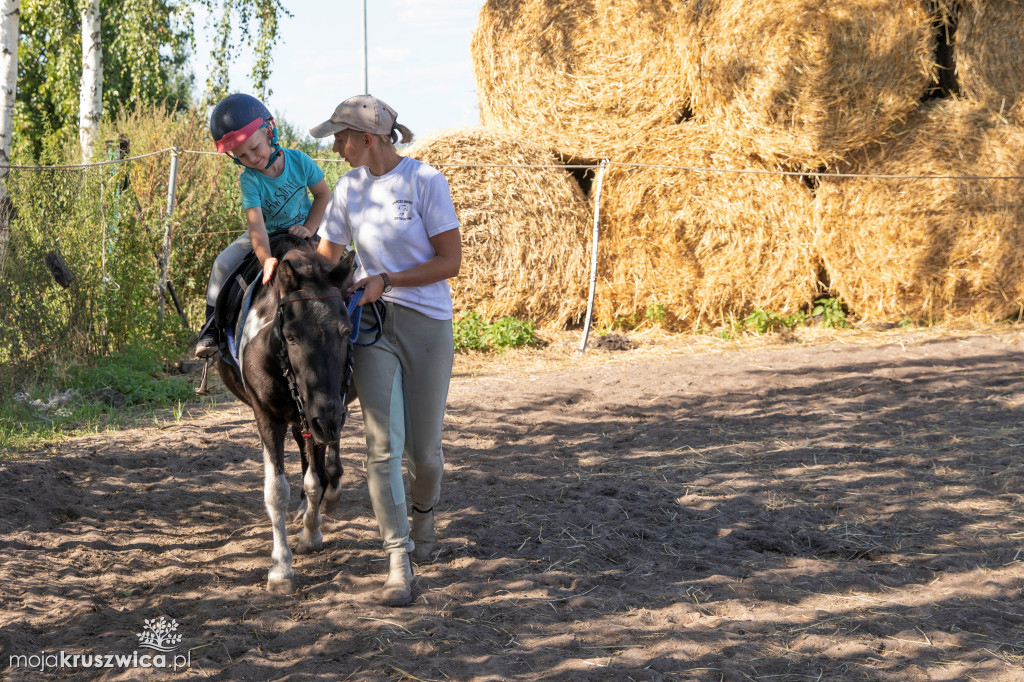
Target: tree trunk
[90,102]
[9,14]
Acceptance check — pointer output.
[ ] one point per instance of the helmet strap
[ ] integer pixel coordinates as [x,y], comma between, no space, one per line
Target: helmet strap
[277,147]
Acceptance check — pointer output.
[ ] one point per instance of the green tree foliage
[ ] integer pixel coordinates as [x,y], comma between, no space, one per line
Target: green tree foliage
[257,27]
[146,47]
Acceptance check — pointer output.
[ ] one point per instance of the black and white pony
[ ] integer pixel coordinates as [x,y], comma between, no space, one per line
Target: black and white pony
[287,354]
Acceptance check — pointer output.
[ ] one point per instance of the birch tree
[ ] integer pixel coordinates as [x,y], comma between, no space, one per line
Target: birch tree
[9,12]
[90,97]
[144,47]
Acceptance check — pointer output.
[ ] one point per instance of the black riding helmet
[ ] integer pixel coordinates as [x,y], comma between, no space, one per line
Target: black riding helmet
[236,118]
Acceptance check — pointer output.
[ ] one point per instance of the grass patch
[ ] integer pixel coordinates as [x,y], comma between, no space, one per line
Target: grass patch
[109,393]
[473,333]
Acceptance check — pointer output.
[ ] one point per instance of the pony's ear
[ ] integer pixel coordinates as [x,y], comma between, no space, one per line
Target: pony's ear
[288,279]
[343,273]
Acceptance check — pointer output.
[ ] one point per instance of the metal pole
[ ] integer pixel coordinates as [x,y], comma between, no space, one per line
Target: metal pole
[366,60]
[165,259]
[593,255]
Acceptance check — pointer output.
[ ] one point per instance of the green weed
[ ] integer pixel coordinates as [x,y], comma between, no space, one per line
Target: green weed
[655,313]
[831,311]
[762,322]
[473,333]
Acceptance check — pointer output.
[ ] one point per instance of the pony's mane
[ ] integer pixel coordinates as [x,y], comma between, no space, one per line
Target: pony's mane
[302,256]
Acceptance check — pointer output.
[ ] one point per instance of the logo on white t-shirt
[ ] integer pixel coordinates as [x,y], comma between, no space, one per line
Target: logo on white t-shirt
[403,209]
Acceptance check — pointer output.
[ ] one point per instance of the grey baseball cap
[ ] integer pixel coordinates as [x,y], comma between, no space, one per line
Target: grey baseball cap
[364,113]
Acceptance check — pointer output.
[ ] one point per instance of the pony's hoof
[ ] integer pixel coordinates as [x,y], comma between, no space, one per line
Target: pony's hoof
[308,547]
[281,585]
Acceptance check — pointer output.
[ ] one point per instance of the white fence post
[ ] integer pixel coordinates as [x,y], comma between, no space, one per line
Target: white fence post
[165,258]
[593,255]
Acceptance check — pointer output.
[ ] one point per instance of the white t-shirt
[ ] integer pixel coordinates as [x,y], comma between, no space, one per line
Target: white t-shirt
[390,219]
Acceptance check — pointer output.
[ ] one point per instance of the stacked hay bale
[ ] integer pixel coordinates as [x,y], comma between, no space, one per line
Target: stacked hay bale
[987,36]
[805,82]
[777,85]
[583,77]
[524,229]
[931,248]
[704,244]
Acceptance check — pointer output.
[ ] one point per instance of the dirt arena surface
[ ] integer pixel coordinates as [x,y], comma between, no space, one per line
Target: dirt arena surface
[841,509]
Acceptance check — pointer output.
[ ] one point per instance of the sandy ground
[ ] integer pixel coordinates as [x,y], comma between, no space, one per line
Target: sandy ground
[676,511]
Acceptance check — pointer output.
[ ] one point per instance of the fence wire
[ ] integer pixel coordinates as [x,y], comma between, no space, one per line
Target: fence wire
[81,248]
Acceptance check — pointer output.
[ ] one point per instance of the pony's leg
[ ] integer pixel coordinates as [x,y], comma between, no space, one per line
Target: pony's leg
[311,539]
[275,496]
[332,492]
[302,443]
[300,513]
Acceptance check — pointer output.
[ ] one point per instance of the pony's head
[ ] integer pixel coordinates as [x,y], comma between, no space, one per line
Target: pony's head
[314,330]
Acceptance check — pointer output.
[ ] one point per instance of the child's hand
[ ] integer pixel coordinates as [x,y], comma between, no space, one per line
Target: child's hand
[269,266]
[300,231]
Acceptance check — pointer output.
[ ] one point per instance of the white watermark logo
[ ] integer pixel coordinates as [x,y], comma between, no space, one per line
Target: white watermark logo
[160,635]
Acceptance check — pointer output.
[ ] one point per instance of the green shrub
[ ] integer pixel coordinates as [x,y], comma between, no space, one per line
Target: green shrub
[136,374]
[108,223]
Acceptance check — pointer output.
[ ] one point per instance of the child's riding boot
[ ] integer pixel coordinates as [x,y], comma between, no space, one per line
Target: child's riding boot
[207,343]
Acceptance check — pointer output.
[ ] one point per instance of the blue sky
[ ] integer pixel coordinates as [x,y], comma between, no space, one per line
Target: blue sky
[419,60]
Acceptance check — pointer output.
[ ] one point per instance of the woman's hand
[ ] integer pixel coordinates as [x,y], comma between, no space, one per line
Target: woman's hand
[372,286]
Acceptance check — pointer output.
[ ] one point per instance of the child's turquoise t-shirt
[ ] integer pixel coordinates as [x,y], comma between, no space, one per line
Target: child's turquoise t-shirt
[284,199]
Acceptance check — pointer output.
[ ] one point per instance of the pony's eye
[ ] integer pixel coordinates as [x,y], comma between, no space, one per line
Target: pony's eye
[290,339]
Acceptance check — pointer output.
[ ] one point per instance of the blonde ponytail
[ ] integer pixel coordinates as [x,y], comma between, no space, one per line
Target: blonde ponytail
[406,134]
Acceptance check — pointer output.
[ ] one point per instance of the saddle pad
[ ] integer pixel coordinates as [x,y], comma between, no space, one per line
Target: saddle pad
[248,325]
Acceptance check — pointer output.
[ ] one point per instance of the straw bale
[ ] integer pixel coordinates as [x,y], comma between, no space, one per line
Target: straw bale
[583,76]
[705,245]
[525,234]
[804,82]
[987,50]
[926,249]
